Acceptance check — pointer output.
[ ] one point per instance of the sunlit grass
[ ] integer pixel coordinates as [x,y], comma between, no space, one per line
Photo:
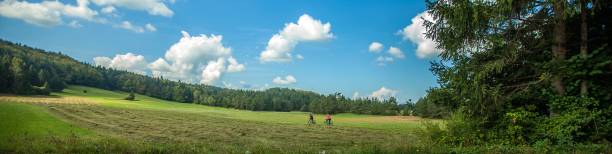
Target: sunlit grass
[401,124]
[102,121]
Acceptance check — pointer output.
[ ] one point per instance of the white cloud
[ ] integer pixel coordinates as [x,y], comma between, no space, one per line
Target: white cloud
[159,67]
[192,49]
[289,79]
[375,47]
[102,61]
[234,66]
[307,29]
[299,57]
[138,29]
[153,7]
[75,24]
[109,10]
[278,49]
[383,93]
[129,62]
[53,13]
[150,27]
[129,26]
[355,95]
[382,60]
[46,13]
[33,13]
[227,84]
[396,52]
[415,33]
[199,58]
[81,11]
[392,53]
[213,71]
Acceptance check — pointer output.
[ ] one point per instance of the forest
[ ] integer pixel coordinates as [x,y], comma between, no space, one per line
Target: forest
[30,71]
[522,72]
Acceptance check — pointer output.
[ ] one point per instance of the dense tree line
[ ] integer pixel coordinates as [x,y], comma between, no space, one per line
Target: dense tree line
[438,103]
[523,72]
[26,70]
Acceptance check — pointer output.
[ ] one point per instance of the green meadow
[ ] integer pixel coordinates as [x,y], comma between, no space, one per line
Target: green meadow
[101,121]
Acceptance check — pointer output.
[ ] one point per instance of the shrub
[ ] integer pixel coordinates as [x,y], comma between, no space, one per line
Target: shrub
[130,96]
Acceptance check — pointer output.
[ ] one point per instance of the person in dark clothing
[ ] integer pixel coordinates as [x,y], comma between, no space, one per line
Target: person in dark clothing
[311,119]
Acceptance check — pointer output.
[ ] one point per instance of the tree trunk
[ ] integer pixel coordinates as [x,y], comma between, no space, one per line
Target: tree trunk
[559,41]
[583,42]
[558,48]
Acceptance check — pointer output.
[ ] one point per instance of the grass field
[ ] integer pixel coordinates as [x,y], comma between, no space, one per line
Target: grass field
[101,121]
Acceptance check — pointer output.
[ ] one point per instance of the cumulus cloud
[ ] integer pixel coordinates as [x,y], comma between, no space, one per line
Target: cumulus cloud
[289,79]
[396,52]
[81,11]
[102,61]
[306,29]
[153,7]
[383,93]
[53,13]
[192,49]
[213,71]
[160,68]
[129,62]
[415,33]
[234,66]
[278,49]
[375,47]
[46,13]
[200,58]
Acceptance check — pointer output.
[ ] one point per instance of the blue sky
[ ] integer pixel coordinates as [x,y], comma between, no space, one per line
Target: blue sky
[340,62]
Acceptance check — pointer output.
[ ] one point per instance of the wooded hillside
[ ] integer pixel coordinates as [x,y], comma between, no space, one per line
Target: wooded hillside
[26,70]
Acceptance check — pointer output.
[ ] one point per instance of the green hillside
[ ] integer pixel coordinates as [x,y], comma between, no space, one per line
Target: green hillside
[30,71]
[101,120]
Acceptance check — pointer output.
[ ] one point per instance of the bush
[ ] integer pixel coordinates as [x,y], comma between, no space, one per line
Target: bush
[458,131]
[130,96]
[575,119]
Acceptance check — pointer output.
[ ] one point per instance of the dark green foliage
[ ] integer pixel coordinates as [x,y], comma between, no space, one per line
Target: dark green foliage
[408,108]
[439,103]
[24,70]
[130,96]
[515,72]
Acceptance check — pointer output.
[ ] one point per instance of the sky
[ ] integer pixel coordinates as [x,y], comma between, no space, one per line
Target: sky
[358,48]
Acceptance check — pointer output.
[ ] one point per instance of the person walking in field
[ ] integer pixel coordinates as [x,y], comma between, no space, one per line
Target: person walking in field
[311,119]
[328,120]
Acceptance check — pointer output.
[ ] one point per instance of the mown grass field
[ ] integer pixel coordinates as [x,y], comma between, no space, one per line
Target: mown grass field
[101,121]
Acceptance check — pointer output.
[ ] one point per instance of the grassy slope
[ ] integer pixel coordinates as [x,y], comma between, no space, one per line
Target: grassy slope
[106,123]
[114,99]
[20,119]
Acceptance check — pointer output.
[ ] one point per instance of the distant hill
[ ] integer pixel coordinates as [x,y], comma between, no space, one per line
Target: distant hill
[26,70]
